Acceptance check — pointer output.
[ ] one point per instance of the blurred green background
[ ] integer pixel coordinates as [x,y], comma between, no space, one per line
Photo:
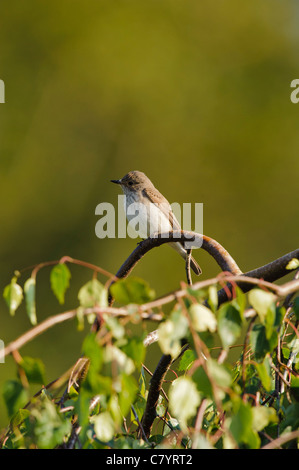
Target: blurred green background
[196,94]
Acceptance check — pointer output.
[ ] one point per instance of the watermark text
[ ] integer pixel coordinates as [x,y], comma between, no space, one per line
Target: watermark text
[295,93]
[2,346]
[2,92]
[148,220]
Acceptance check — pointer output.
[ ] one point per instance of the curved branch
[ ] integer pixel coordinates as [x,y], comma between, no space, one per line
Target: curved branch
[217,251]
[62,317]
[269,272]
[220,254]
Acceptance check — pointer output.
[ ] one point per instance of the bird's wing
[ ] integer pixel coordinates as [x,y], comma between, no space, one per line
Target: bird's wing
[153,195]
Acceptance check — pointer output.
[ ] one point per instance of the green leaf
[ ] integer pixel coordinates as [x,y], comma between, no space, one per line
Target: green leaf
[202,382]
[270,321]
[114,408]
[132,291]
[94,382]
[13,295]
[213,298]
[128,390]
[116,355]
[261,301]
[142,383]
[229,324]
[199,294]
[291,417]
[202,319]
[15,396]
[220,373]
[172,426]
[80,318]
[181,407]
[295,387]
[19,417]
[92,350]
[241,426]
[114,325]
[264,372]
[293,345]
[82,410]
[262,416]
[59,277]
[171,332]
[135,349]
[199,441]
[293,264]
[29,290]
[187,359]
[240,301]
[139,407]
[49,427]
[279,313]
[260,344]
[93,293]
[296,307]
[34,369]
[104,426]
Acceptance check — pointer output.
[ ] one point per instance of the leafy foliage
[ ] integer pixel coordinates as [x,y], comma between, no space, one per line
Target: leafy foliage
[13,295]
[132,290]
[212,402]
[29,289]
[59,278]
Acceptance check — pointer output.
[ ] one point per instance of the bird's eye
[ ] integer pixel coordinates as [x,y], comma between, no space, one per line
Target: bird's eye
[130,183]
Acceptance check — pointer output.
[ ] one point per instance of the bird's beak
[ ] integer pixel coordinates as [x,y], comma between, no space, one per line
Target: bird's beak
[116,181]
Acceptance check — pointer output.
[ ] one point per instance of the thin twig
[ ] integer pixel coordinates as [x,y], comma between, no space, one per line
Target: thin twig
[289,436]
[200,414]
[246,342]
[188,270]
[285,289]
[139,424]
[62,317]
[270,272]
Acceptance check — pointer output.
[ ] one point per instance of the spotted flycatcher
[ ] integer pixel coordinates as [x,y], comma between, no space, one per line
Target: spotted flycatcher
[154,211]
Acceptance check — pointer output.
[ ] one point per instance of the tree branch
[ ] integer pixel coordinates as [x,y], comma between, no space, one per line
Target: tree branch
[217,251]
[62,317]
[269,272]
[156,383]
[221,256]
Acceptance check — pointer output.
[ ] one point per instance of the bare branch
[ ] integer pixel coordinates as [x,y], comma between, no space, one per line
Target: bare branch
[270,272]
[221,256]
[289,436]
[188,270]
[62,317]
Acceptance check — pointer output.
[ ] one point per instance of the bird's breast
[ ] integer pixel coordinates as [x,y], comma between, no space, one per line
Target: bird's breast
[145,217]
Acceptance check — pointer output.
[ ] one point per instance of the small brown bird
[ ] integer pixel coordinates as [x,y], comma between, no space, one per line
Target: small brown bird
[154,213]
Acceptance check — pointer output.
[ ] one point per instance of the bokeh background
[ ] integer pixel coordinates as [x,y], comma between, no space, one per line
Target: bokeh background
[196,94]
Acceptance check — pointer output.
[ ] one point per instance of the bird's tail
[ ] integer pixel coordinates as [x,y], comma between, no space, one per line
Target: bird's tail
[181,250]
